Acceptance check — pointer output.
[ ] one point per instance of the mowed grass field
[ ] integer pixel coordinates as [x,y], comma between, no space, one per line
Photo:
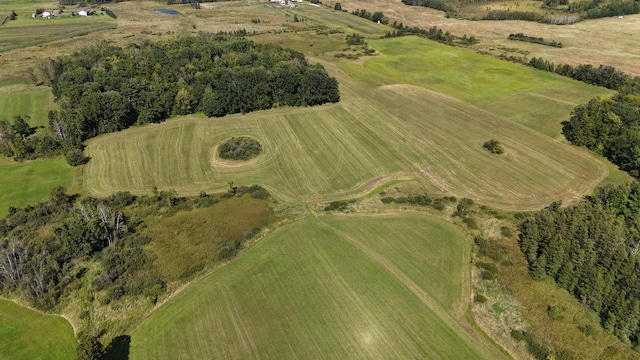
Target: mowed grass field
[29,182]
[35,103]
[26,334]
[373,135]
[26,31]
[537,99]
[356,287]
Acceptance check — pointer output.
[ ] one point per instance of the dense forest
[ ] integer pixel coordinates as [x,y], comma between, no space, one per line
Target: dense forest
[591,249]
[610,127]
[106,88]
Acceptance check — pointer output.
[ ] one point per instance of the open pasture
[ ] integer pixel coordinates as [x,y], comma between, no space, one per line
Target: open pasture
[341,150]
[29,32]
[610,41]
[29,182]
[341,21]
[537,99]
[29,335]
[34,103]
[327,288]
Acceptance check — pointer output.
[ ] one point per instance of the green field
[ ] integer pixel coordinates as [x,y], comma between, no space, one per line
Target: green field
[34,103]
[341,21]
[29,182]
[537,99]
[373,135]
[26,334]
[28,32]
[369,287]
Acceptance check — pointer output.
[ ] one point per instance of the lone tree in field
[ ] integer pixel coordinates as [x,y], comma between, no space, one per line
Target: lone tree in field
[494,147]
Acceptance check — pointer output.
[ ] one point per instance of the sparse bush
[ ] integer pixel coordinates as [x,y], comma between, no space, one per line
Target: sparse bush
[240,148]
[354,39]
[337,205]
[76,157]
[555,311]
[517,335]
[401,200]
[487,275]
[494,147]
[506,231]
[470,222]
[387,200]
[480,299]
[587,329]
[258,192]
[438,204]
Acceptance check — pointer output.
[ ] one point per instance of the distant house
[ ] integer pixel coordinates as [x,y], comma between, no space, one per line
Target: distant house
[46,14]
[84,12]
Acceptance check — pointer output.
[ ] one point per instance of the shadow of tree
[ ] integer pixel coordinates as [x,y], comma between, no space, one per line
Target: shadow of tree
[118,349]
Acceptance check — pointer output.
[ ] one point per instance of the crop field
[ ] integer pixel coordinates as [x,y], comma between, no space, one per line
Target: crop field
[373,135]
[506,89]
[610,41]
[341,21]
[29,32]
[34,103]
[347,287]
[29,182]
[28,335]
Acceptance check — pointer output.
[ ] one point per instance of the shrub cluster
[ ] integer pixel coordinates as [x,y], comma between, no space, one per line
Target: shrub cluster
[535,40]
[494,147]
[433,33]
[240,148]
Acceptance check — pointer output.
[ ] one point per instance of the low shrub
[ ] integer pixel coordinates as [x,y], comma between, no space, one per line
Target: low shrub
[239,148]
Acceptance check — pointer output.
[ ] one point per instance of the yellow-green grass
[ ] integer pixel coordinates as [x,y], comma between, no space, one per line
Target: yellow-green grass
[35,103]
[341,150]
[341,21]
[27,31]
[378,287]
[537,99]
[189,241]
[29,335]
[29,182]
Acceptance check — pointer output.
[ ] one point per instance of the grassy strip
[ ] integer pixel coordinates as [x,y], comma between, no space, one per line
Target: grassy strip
[38,31]
[34,103]
[27,183]
[28,335]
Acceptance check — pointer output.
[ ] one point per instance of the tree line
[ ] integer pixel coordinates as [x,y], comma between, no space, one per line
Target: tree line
[591,249]
[441,5]
[533,39]
[433,33]
[603,75]
[106,88]
[610,127]
[376,16]
[583,10]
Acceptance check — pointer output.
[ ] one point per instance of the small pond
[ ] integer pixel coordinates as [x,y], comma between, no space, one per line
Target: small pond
[168,12]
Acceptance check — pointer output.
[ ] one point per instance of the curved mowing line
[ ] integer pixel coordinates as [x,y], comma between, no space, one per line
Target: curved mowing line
[334,151]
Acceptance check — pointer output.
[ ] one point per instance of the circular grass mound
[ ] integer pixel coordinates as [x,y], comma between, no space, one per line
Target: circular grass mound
[239,148]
